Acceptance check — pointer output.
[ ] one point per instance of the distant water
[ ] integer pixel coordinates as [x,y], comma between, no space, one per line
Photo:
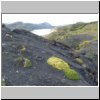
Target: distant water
[42,32]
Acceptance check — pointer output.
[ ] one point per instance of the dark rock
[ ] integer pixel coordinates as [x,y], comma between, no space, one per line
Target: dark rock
[38,51]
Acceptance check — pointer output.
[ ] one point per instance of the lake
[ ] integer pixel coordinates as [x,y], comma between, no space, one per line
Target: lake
[42,32]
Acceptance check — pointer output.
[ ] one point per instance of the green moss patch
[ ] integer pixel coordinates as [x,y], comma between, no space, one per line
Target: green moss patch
[27,63]
[57,63]
[71,74]
[79,60]
[64,66]
[23,49]
[24,61]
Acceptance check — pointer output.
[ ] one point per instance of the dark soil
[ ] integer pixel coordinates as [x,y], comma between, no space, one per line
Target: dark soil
[38,50]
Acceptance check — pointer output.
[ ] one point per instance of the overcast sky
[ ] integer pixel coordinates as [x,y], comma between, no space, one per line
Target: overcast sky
[54,19]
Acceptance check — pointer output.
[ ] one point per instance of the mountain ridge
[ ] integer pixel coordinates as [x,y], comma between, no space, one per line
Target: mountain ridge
[29,26]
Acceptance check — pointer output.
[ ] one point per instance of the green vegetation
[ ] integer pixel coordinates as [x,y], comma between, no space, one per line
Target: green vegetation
[86,27]
[24,61]
[57,63]
[77,36]
[64,66]
[84,44]
[71,74]
[23,49]
[27,63]
[79,60]
[19,59]
[77,26]
[64,32]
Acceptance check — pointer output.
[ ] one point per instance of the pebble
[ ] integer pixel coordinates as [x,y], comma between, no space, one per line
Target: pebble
[8,35]
[84,66]
[17,71]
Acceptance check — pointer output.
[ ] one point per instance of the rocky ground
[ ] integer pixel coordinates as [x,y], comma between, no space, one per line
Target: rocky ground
[38,50]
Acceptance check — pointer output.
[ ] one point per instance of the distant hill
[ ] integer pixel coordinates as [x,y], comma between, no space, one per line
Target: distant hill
[25,62]
[82,37]
[29,26]
[63,32]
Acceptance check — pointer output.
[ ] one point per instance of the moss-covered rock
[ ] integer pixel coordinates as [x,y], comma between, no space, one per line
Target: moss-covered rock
[71,74]
[64,66]
[57,63]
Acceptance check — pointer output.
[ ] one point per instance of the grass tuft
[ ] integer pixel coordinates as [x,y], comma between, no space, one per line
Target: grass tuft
[27,63]
[79,60]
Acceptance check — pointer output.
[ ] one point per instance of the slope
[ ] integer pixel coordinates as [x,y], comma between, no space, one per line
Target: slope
[18,44]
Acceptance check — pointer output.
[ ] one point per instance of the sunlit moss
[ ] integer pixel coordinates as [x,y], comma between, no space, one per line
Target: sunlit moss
[71,74]
[27,63]
[64,66]
[57,63]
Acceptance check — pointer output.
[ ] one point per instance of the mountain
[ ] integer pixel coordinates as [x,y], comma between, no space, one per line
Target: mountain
[29,26]
[31,60]
[82,37]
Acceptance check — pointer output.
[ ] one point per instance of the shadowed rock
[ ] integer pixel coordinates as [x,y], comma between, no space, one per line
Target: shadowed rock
[38,51]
